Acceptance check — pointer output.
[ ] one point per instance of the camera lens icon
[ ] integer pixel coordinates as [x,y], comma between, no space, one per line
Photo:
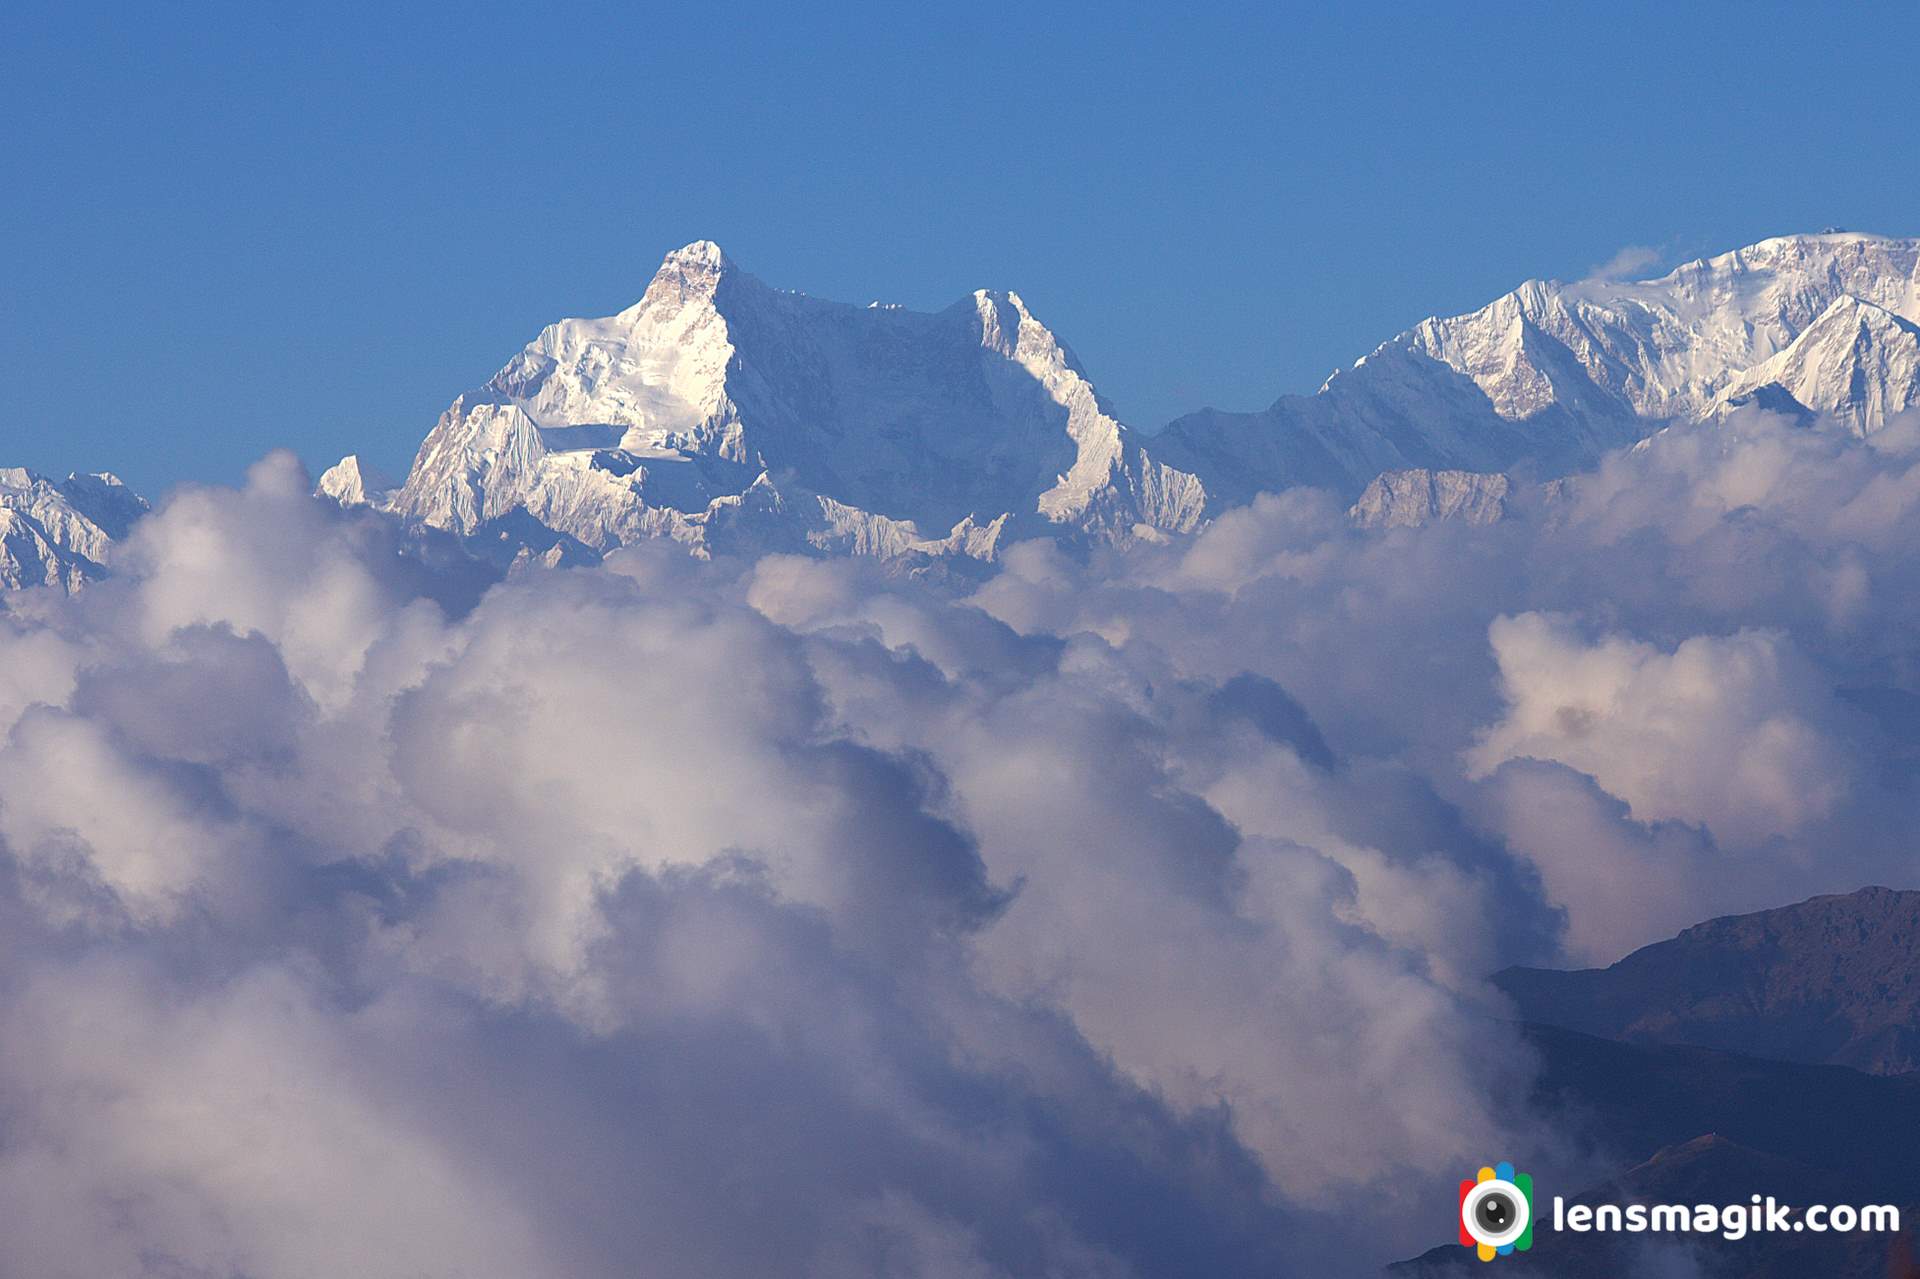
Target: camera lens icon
[1496,1212]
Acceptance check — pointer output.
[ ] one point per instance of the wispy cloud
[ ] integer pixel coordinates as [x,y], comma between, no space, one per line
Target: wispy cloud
[1634,261]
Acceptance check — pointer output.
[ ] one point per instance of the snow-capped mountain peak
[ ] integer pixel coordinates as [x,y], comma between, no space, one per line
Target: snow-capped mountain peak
[699,256]
[1665,347]
[1857,363]
[718,408]
[352,481]
[1545,378]
[61,533]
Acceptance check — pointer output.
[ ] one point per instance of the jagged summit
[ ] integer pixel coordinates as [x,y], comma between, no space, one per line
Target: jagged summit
[699,255]
[61,533]
[1663,347]
[688,273]
[352,481]
[719,411]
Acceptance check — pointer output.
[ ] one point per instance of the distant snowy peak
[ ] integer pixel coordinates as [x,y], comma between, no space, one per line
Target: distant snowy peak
[1857,363]
[1664,348]
[353,482]
[1544,379]
[725,414]
[61,533]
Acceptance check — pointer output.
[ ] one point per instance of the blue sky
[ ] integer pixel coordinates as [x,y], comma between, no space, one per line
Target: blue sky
[231,227]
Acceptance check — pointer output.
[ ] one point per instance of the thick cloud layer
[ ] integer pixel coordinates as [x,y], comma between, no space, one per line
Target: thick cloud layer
[1680,685]
[1122,918]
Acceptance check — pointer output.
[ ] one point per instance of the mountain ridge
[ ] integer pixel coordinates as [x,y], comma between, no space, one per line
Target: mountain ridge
[1831,980]
[732,417]
[840,423]
[1549,375]
[1769,1053]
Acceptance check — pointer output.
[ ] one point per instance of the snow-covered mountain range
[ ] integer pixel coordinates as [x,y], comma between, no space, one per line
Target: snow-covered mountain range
[1545,378]
[727,415]
[60,532]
